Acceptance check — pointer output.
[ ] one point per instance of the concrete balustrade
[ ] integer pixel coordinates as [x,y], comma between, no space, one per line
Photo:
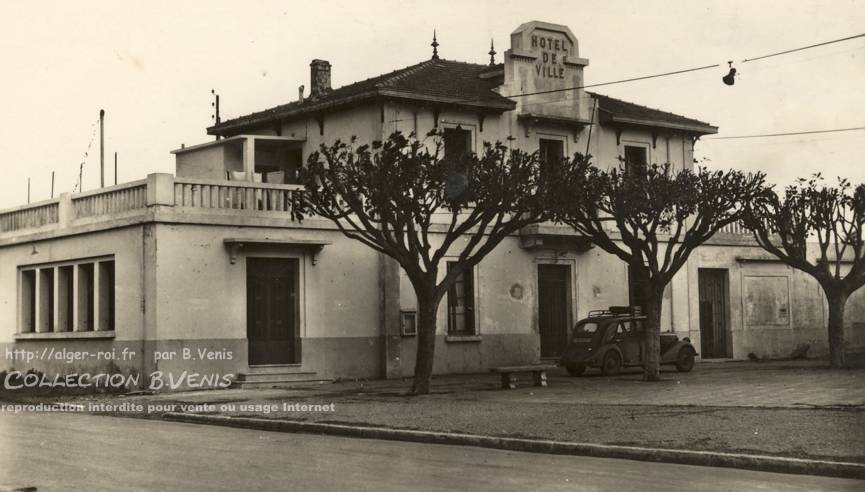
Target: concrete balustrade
[29,216]
[158,190]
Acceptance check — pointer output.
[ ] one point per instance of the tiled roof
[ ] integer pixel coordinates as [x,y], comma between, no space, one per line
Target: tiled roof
[622,112]
[450,83]
[440,81]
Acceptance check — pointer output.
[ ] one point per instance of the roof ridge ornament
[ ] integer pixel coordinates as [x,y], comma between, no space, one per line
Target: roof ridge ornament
[435,46]
[492,53]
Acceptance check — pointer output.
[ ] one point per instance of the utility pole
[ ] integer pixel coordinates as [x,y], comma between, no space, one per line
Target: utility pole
[28,191]
[115,168]
[101,148]
[52,184]
[215,105]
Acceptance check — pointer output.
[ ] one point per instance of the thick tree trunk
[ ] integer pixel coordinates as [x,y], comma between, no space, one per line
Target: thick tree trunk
[837,302]
[652,362]
[427,309]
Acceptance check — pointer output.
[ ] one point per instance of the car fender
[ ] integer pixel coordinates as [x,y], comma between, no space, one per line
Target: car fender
[602,352]
[673,352]
[597,356]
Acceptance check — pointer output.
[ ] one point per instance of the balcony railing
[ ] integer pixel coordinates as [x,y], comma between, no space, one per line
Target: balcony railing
[735,228]
[192,195]
[111,200]
[158,190]
[30,216]
[238,195]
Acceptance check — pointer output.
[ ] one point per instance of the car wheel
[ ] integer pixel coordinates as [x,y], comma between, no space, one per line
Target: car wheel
[685,359]
[576,369]
[611,364]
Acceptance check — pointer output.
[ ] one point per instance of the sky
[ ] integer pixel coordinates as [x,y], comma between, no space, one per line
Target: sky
[151,66]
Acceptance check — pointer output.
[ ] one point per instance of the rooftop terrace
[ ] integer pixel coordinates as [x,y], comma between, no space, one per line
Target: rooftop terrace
[171,199]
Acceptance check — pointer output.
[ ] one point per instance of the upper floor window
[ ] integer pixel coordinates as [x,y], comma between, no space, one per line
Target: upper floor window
[551,151]
[458,142]
[636,158]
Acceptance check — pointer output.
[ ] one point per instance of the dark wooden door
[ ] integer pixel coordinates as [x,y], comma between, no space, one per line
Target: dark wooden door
[271,311]
[714,332]
[553,308]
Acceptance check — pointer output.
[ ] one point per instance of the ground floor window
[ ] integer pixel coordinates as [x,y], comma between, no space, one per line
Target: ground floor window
[461,303]
[77,295]
[636,291]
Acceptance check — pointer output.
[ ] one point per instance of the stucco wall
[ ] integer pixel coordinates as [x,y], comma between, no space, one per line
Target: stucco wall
[202,295]
[377,121]
[208,162]
[602,143]
[773,307]
[176,288]
[362,122]
[126,246]
[507,325]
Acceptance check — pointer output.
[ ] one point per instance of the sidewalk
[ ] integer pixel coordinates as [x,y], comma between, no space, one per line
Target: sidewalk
[792,409]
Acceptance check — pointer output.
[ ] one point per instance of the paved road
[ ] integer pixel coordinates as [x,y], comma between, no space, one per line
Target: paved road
[85,452]
[775,384]
[788,384]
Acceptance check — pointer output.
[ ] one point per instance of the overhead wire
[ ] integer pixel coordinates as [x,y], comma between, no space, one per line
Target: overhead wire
[78,184]
[558,101]
[687,70]
[803,48]
[806,132]
[633,79]
[706,67]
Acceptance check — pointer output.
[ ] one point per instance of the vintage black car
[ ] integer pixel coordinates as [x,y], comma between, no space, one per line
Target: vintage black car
[612,339]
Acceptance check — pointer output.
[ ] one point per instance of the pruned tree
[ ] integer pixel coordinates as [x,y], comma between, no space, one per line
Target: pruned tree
[833,218]
[401,198]
[653,218]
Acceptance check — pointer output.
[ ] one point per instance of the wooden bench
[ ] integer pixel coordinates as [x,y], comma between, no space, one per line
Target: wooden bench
[509,380]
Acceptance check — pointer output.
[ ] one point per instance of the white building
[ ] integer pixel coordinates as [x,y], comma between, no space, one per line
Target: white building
[209,258]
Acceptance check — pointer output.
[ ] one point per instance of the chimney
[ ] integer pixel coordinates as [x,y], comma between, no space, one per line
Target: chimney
[300,94]
[319,77]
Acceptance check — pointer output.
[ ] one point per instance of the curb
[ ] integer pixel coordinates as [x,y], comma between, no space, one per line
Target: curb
[700,458]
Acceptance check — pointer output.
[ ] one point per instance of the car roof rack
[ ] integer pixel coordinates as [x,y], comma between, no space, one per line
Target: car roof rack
[599,312]
[616,311]
[632,310]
